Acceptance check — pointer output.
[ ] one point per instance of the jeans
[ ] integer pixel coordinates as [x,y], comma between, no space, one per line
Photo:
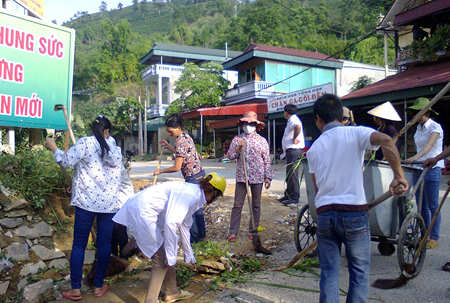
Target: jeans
[81,229]
[352,229]
[430,199]
[292,186]
[198,229]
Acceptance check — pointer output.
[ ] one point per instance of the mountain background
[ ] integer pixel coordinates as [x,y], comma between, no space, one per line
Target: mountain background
[110,43]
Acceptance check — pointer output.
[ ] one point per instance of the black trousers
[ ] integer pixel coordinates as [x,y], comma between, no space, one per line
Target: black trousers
[119,240]
[292,186]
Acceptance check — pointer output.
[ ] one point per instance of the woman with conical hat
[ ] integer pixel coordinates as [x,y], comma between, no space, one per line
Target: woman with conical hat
[384,116]
[428,139]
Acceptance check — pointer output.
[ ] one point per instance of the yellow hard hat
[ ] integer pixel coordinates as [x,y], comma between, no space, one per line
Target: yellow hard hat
[218,181]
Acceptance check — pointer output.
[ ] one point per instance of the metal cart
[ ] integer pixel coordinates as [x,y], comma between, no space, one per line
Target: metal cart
[391,222]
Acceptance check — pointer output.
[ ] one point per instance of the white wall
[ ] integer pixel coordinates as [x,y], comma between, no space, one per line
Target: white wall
[352,71]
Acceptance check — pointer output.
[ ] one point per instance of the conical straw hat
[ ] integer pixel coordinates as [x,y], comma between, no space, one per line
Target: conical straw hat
[385,111]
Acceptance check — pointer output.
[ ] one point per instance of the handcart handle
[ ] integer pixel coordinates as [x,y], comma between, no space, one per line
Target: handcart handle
[383,197]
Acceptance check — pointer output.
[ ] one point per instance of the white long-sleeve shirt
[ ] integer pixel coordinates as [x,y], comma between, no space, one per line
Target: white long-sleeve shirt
[155,214]
[96,181]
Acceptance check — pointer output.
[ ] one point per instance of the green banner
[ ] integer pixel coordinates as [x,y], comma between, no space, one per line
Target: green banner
[36,71]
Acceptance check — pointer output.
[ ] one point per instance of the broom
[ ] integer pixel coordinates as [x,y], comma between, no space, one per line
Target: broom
[410,268]
[256,240]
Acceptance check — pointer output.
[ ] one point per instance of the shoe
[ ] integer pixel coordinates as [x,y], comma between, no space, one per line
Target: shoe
[446,267]
[289,202]
[232,238]
[432,244]
[183,296]
[284,198]
[104,289]
[65,295]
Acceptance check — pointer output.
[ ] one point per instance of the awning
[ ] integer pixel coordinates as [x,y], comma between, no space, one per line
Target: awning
[421,11]
[231,122]
[413,83]
[224,112]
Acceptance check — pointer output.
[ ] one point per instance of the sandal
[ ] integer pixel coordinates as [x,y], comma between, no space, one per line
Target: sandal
[432,244]
[232,238]
[104,289]
[446,267]
[183,296]
[65,295]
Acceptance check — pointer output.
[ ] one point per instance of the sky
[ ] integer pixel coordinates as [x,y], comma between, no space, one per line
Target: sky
[63,10]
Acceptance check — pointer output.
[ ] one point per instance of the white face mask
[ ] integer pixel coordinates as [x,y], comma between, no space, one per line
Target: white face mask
[248,129]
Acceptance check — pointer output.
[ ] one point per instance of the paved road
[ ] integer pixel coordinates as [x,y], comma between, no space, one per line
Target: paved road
[431,285]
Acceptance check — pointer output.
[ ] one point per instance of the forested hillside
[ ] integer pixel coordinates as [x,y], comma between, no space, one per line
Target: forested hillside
[110,43]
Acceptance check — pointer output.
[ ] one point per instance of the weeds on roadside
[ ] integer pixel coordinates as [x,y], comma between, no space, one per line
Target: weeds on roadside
[307,265]
[32,175]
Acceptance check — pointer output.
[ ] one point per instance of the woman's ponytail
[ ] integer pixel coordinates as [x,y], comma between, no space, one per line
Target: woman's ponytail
[98,128]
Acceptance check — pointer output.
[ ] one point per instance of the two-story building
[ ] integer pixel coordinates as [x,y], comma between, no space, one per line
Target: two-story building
[407,22]
[164,63]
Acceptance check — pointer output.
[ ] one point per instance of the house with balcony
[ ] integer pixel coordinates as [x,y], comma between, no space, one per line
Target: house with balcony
[424,68]
[164,66]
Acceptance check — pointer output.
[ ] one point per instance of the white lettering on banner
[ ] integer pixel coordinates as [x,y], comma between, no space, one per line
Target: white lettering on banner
[299,98]
[29,107]
[5,105]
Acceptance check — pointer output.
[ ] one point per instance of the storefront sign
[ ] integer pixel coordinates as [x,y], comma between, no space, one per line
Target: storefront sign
[300,98]
[36,71]
[36,7]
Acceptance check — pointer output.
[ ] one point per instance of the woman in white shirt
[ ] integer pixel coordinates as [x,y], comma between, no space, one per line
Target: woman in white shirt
[428,140]
[96,180]
[155,214]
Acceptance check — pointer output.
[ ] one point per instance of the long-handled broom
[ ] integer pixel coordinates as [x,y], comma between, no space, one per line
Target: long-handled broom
[410,268]
[256,240]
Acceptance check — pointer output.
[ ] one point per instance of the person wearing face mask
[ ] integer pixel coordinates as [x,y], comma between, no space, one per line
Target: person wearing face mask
[255,149]
[154,216]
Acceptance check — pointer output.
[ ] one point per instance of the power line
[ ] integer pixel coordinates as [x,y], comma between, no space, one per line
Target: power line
[361,38]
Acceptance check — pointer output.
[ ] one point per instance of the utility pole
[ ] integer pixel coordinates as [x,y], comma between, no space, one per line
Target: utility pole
[145,119]
[140,125]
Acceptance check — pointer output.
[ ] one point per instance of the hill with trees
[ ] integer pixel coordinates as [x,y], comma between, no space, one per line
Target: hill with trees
[110,43]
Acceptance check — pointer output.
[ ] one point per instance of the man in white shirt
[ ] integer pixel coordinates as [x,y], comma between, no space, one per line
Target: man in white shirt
[293,143]
[342,210]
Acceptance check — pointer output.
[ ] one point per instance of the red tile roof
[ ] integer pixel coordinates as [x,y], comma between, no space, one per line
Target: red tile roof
[415,77]
[288,51]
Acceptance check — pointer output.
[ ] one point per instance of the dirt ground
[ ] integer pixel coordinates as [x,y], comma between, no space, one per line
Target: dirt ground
[278,221]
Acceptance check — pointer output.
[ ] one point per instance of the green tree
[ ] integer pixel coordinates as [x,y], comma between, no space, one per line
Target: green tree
[103,7]
[144,8]
[135,5]
[362,81]
[120,6]
[159,6]
[126,113]
[199,87]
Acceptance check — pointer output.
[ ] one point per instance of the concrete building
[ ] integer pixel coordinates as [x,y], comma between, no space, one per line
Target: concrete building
[164,63]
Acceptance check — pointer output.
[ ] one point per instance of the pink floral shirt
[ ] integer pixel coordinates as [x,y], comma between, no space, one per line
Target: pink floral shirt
[257,158]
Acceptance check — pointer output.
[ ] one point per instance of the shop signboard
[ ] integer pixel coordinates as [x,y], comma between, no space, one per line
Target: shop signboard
[300,98]
[36,71]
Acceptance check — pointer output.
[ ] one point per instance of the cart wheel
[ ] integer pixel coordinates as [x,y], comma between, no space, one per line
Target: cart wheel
[385,248]
[412,230]
[305,231]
